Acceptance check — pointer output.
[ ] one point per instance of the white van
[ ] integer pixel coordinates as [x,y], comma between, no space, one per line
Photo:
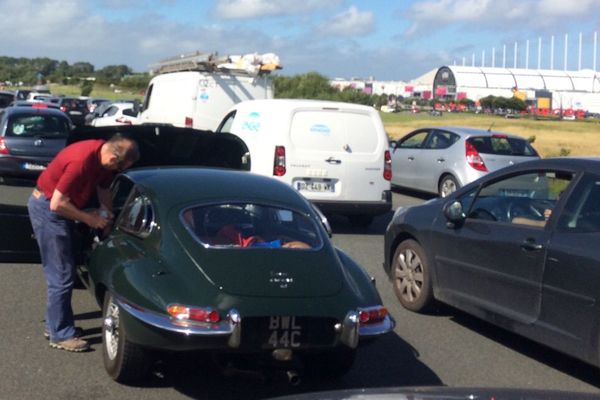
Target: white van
[335,154]
[198,99]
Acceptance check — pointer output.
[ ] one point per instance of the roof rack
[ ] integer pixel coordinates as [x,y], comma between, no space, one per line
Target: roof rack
[249,64]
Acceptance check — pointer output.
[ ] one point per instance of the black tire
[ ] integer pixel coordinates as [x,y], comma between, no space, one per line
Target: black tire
[332,364]
[448,184]
[124,361]
[411,277]
[361,220]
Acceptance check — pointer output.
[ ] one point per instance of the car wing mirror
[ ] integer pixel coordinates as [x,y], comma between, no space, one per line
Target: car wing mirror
[454,213]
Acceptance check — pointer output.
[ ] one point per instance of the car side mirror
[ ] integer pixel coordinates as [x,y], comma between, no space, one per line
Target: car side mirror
[393,144]
[454,213]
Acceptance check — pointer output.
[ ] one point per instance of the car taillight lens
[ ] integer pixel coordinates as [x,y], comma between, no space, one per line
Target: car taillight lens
[372,315]
[3,147]
[198,314]
[473,157]
[64,109]
[279,161]
[387,166]
[39,105]
[189,122]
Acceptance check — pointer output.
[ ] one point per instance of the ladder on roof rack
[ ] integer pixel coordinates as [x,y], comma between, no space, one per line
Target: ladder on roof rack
[250,64]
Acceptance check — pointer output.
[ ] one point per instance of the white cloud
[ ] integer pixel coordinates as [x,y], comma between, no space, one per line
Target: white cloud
[242,9]
[349,23]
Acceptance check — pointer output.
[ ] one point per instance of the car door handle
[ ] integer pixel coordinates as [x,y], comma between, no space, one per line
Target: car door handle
[332,160]
[441,160]
[531,245]
[411,158]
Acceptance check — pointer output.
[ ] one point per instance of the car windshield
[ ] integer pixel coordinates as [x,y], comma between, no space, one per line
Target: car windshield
[502,145]
[48,126]
[248,225]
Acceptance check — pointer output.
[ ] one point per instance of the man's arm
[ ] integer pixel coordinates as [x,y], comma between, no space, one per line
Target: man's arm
[104,198]
[61,204]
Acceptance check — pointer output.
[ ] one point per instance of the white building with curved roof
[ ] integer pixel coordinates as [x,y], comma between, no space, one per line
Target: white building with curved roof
[566,89]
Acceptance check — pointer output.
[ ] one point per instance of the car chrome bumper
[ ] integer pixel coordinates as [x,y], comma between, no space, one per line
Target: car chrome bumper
[349,330]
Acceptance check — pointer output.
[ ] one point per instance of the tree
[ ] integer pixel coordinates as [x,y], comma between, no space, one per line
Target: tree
[86,87]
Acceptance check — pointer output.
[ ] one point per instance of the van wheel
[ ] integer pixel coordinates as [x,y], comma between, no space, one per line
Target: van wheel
[448,185]
[361,220]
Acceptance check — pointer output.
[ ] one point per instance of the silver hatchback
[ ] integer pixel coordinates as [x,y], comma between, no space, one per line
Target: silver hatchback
[443,159]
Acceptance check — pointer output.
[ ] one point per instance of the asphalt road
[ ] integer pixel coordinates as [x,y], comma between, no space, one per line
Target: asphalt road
[443,348]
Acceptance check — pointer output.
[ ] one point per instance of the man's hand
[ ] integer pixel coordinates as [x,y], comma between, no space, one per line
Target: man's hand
[97,221]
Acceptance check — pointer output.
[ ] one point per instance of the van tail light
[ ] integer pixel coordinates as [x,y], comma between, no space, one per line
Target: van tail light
[64,109]
[196,314]
[473,157]
[3,147]
[372,315]
[189,122]
[387,166]
[279,161]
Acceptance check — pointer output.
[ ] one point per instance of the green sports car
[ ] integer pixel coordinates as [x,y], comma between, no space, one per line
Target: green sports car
[226,262]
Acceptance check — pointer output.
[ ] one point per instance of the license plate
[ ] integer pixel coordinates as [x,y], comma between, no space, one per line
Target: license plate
[314,186]
[34,167]
[284,332]
[75,112]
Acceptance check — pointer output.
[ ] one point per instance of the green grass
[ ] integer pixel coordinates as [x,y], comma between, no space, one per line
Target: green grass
[104,92]
[552,137]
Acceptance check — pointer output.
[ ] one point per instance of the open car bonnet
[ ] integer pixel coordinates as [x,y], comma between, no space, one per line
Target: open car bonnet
[162,145]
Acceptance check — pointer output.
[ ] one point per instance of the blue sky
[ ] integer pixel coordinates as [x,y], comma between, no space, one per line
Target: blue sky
[386,40]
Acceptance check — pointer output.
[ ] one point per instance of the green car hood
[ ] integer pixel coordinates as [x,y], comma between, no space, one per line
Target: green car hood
[268,272]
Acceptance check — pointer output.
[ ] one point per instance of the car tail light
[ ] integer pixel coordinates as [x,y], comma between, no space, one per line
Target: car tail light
[372,315]
[189,122]
[279,161]
[387,166]
[39,105]
[3,147]
[197,314]
[473,157]
[64,109]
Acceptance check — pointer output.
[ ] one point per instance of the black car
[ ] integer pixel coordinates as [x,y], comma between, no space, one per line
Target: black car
[75,108]
[29,138]
[516,248]
[6,98]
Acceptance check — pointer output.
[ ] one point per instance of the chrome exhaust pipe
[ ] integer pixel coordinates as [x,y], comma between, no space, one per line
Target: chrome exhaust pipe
[293,378]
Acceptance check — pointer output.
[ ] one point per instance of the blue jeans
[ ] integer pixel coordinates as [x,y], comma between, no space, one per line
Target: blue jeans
[54,235]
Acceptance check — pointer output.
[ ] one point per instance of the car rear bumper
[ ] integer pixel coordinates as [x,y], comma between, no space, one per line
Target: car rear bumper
[159,331]
[373,208]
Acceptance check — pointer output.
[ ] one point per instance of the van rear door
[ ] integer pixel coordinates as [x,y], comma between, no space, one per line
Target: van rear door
[336,155]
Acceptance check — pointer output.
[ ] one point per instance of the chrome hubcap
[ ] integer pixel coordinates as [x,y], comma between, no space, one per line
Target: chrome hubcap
[409,275]
[111,330]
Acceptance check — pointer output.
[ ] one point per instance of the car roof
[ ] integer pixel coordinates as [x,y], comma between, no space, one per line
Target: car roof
[180,185]
[466,131]
[29,109]
[286,104]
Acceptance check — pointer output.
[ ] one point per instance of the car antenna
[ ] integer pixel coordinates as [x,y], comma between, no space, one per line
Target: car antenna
[491,126]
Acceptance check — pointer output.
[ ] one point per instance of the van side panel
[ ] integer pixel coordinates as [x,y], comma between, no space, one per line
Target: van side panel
[172,99]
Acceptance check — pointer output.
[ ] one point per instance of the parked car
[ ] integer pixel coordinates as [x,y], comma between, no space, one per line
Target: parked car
[336,154]
[120,113]
[74,107]
[516,248]
[6,98]
[234,264]
[29,138]
[442,159]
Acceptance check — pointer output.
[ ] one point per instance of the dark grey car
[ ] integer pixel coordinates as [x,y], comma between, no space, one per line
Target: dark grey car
[517,248]
[29,138]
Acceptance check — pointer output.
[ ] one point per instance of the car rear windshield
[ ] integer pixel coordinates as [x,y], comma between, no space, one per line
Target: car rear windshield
[248,225]
[502,145]
[47,126]
[77,104]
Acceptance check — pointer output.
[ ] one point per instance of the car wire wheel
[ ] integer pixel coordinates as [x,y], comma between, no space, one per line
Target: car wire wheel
[111,330]
[411,276]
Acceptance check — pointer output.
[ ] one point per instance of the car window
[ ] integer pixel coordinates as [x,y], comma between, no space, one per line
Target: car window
[137,217]
[582,211]
[414,140]
[525,199]
[129,112]
[247,225]
[110,111]
[440,140]
[47,126]
[502,145]
[227,123]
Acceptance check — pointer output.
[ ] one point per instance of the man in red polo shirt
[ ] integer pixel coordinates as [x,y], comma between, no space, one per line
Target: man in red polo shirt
[78,173]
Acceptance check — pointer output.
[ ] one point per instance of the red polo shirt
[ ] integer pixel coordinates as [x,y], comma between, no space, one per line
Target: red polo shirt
[76,171]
